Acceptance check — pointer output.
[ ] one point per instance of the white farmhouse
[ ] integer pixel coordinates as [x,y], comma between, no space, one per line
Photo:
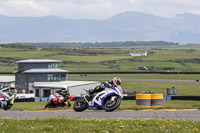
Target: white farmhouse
[138,53]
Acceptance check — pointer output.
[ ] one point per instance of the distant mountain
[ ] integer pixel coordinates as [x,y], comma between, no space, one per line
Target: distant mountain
[127,26]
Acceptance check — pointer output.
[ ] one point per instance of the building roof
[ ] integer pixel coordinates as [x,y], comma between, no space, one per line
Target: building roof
[7,79]
[58,85]
[38,61]
[46,70]
[137,52]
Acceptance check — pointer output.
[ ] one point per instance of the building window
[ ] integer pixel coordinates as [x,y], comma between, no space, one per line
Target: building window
[52,65]
[20,67]
[37,93]
[46,93]
[33,78]
[55,77]
[31,91]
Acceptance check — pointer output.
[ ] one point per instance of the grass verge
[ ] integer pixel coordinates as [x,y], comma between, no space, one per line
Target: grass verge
[97,126]
[173,104]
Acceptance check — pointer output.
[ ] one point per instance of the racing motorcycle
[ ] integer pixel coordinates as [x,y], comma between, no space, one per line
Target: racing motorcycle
[109,100]
[4,102]
[56,100]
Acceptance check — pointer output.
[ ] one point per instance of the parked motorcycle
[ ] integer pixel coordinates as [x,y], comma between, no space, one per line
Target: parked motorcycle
[109,100]
[56,100]
[4,102]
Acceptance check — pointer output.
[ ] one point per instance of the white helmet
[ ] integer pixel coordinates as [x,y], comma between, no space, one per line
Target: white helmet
[64,88]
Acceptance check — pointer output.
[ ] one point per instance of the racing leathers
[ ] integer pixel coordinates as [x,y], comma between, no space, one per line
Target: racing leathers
[99,88]
[65,94]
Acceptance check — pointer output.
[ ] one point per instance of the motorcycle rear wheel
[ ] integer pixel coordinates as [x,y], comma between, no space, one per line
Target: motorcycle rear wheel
[80,105]
[110,106]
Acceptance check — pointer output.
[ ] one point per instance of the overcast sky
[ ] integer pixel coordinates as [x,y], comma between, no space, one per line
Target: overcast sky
[96,9]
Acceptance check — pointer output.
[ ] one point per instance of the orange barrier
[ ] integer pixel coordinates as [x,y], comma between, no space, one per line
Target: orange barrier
[156,100]
[143,100]
[149,100]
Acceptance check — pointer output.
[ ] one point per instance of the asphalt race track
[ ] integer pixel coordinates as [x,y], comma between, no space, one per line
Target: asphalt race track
[119,114]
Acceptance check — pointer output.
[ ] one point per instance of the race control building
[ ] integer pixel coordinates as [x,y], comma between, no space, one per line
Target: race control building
[43,77]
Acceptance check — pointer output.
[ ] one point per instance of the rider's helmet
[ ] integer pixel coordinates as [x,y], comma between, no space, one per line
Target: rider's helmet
[12,86]
[116,81]
[64,88]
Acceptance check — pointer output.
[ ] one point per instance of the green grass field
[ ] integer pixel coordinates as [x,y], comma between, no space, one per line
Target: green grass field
[91,59]
[97,126]
[183,89]
[173,104]
[102,59]
[172,56]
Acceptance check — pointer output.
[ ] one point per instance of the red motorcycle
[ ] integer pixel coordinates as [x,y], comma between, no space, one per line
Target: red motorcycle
[56,100]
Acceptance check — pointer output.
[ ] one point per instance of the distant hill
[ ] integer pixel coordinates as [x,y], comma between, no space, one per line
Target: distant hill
[126,44]
[127,26]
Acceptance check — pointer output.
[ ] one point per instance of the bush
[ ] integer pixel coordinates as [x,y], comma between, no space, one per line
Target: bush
[168,68]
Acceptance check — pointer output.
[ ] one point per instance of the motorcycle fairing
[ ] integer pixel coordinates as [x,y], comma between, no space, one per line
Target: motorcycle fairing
[98,100]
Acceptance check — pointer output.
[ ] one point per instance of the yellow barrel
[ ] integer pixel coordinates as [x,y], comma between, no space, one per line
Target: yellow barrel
[156,100]
[143,100]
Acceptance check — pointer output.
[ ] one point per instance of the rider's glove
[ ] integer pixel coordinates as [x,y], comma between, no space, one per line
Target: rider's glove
[97,87]
[5,98]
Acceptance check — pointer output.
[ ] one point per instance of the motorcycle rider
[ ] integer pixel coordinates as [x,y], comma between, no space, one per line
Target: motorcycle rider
[11,91]
[113,83]
[64,92]
[59,99]
[66,95]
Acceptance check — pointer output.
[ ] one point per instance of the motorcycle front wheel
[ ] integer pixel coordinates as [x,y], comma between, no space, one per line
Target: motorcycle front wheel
[8,106]
[49,105]
[80,105]
[112,105]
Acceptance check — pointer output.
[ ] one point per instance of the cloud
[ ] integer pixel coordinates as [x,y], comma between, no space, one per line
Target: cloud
[22,8]
[96,9]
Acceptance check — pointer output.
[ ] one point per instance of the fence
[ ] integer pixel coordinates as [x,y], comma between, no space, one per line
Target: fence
[25,100]
[165,98]
[185,98]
